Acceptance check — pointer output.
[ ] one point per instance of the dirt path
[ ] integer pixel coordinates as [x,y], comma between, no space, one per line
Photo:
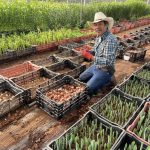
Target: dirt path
[31,128]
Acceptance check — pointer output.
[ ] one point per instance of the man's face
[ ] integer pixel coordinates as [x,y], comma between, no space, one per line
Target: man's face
[99,27]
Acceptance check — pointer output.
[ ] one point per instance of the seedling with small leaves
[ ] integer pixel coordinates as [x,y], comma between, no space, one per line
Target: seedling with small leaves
[133,146]
[136,88]
[144,73]
[88,135]
[142,128]
[115,107]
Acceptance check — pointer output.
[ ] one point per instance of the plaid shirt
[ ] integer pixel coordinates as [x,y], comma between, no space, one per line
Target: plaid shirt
[105,49]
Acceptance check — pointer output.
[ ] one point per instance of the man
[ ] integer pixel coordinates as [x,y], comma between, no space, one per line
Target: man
[105,48]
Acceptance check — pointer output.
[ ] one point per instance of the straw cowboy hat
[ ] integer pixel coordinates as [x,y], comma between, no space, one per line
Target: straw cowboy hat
[99,16]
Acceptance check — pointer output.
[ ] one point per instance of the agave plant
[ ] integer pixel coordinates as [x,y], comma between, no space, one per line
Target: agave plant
[115,109]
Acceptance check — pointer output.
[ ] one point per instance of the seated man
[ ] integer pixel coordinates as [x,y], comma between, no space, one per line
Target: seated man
[105,48]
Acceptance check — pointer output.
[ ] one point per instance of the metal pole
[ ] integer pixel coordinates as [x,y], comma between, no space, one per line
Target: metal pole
[81,12]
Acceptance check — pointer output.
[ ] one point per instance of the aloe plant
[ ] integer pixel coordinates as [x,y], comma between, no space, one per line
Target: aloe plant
[142,128]
[87,135]
[144,73]
[115,109]
[136,88]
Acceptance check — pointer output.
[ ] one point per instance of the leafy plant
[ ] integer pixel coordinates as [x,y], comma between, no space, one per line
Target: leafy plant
[22,41]
[143,126]
[87,135]
[144,73]
[133,146]
[115,109]
[136,88]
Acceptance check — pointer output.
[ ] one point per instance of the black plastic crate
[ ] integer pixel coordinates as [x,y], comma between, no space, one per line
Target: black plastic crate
[135,54]
[78,59]
[122,97]
[88,118]
[143,72]
[16,99]
[67,54]
[72,45]
[128,139]
[23,80]
[141,85]
[24,52]
[54,108]
[71,68]
[7,56]
[46,61]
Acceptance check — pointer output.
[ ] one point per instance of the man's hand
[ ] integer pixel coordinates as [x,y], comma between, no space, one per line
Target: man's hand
[86,54]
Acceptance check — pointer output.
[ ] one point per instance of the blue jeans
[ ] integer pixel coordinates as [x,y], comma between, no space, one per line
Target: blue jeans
[95,78]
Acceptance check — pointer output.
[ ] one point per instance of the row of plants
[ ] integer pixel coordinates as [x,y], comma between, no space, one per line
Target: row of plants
[133,146]
[88,135]
[115,109]
[143,126]
[22,41]
[19,15]
[144,73]
[136,88]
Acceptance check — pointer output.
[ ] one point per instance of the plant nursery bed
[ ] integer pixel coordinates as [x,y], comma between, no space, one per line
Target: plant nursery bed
[31,81]
[45,61]
[113,108]
[18,69]
[30,128]
[144,72]
[59,97]
[11,97]
[67,67]
[136,87]
[85,134]
[129,142]
[140,126]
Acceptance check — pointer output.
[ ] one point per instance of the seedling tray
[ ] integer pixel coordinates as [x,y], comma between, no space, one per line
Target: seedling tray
[141,84]
[31,81]
[120,97]
[135,123]
[143,72]
[67,54]
[67,67]
[127,140]
[46,61]
[57,109]
[87,119]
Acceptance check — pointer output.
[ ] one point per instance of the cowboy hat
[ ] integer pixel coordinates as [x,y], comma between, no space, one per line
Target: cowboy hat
[99,16]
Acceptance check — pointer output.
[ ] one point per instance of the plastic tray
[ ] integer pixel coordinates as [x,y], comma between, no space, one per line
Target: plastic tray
[19,69]
[15,101]
[90,116]
[42,72]
[55,109]
[124,97]
[133,125]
